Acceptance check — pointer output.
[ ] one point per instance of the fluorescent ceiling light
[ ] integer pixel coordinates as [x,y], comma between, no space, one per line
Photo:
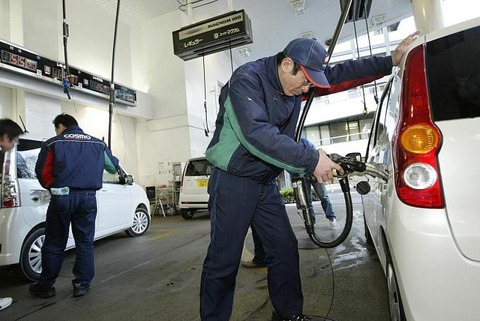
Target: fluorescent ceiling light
[243,52]
[298,6]
[378,20]
[307,34]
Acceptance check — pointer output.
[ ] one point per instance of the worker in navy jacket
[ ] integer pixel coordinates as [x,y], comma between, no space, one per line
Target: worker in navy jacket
[253,142]
[71,166]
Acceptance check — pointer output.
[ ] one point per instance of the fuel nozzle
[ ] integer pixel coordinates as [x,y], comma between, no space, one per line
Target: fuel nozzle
[299,184]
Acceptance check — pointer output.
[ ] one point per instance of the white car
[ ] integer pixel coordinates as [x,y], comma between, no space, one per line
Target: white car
[424,221]
[121,207]
[193,187]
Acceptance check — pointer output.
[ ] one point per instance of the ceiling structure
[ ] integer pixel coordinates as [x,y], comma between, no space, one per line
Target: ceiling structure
[274,22]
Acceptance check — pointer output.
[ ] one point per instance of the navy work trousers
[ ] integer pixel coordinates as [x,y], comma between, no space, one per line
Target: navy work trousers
[235,203]
[80,209]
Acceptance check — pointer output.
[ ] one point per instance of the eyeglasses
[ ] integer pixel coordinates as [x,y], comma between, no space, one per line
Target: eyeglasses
[305,81]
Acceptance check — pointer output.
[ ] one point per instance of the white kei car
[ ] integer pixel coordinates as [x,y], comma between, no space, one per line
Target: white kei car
[193,188]
[121,207]
[424,221]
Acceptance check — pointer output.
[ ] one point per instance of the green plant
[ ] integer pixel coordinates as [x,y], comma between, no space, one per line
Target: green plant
[287,194]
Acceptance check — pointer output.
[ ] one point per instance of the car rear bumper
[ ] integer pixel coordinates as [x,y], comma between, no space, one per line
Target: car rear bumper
[199,205]
[13,231]
[436,281]
[193,200]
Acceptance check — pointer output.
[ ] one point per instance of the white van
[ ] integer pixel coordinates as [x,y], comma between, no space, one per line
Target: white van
[193,187]
[121,207]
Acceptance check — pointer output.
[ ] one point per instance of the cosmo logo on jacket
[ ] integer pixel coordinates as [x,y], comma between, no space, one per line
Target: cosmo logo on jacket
[77,136]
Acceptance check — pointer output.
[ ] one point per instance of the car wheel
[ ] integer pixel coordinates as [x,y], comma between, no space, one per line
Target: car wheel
[394,300]
[30,265]
[141,222]
[187,213]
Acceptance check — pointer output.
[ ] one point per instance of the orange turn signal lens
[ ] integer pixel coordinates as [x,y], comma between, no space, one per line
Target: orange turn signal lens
[419,139]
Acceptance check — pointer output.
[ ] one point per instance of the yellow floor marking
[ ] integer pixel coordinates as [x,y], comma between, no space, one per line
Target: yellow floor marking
[162,234]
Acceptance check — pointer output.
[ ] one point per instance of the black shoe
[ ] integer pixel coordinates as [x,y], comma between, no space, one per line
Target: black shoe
[79,289]
[253,264]
[36,290]
[299,317]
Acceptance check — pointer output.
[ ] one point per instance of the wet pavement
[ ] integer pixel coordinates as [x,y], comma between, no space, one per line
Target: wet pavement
[156,277]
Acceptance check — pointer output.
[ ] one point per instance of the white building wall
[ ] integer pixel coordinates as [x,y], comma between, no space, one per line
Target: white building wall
[5,102]
[166,126]
[163,138]
[39,113]
[431,15]
[11,22]
[217,70]
[90,40]
[176,131]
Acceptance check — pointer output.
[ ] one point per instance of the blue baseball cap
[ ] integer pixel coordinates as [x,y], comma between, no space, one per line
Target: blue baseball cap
[310,55]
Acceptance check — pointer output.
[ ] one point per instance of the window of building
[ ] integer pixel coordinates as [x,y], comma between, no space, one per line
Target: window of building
[353,130]
[313,135]
[365,127]
[339,132]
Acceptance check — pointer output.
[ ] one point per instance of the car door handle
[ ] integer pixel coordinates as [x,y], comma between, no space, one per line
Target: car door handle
[40,195]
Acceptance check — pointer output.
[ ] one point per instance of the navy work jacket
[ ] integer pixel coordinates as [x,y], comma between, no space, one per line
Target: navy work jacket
[74,159]
[256,122]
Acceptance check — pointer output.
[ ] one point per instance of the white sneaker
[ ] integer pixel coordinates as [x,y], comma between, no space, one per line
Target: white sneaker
[333,222]
[5,303]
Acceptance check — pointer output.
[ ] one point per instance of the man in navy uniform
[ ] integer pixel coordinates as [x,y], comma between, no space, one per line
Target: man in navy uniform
[253,142]
[71,166]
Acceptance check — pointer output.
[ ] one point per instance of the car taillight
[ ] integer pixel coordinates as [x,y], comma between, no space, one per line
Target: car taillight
[9,181]
[10,196]
[417,140]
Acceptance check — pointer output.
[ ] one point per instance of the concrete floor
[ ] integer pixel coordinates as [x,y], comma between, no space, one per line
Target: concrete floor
[156,277]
